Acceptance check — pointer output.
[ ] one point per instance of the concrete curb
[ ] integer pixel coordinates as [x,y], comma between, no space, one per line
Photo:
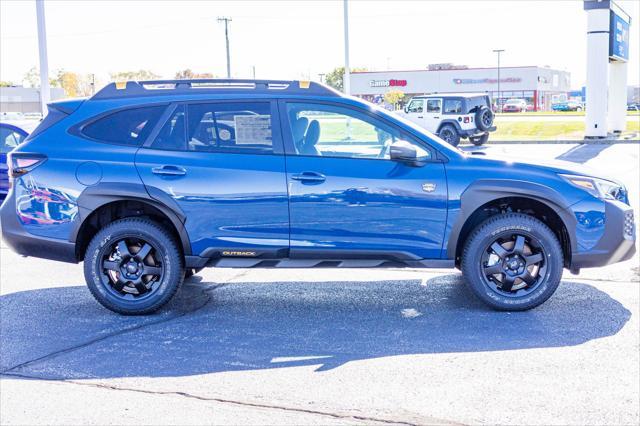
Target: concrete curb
[567,142]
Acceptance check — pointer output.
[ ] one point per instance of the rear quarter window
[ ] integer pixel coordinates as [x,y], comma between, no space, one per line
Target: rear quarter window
[125,127]
[473,104]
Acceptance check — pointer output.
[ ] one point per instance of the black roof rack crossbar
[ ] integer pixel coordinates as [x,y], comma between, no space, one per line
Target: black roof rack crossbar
[196,86]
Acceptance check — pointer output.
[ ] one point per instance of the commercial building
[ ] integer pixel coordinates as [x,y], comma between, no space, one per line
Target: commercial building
[539,86]
[25,99]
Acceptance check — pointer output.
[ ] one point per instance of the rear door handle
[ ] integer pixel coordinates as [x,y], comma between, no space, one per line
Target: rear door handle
[309,177]
[420,116]
[169,171]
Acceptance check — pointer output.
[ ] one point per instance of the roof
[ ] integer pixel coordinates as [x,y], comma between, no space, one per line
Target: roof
[130,89]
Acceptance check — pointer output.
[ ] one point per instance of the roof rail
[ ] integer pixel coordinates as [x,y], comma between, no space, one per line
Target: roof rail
[197,86]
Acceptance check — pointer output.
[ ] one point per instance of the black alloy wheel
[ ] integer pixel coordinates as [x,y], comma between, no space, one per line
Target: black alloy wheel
[514,264]
[132,268]
[449,134]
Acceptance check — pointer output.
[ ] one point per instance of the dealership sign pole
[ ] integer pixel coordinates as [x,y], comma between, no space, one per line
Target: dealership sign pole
[607,55]
[45,95]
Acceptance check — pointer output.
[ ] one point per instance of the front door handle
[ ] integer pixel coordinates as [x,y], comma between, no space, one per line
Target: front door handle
[420,116]
[169,171]
[314,177]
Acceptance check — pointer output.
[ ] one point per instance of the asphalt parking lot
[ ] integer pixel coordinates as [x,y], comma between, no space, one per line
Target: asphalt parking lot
[368,346]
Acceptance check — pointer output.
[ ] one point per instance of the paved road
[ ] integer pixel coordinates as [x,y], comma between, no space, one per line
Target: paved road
[325,346]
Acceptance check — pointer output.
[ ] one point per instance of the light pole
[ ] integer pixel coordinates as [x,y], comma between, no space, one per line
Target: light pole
[45,94]
[499,51]
[347,71]
[226,37]
[321,75]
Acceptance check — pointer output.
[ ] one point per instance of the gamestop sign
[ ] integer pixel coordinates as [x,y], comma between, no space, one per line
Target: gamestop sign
[388,83]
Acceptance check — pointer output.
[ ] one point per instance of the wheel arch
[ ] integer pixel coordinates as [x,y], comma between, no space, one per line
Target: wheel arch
[453,122]
[486,198]
[104,203]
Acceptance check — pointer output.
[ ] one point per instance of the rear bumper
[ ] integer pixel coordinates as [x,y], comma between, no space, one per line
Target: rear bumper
[617,244]
[26,244]
[476,132]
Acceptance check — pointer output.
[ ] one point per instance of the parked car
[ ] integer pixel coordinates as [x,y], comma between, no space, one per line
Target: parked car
[453,116]
[567,106]
[633,107]
[515,105]
[10,137]
[146,186]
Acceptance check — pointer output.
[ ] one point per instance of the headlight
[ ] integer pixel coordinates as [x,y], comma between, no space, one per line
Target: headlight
[600,188]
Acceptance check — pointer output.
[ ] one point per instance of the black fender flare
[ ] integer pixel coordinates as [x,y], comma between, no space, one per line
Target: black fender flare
[453,122]
[483,191]
[94,197]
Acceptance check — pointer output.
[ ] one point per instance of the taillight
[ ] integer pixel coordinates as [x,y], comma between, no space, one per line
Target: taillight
[22,163]
[466,119]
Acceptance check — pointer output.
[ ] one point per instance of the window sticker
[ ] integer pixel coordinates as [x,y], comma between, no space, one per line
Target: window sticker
[253,129]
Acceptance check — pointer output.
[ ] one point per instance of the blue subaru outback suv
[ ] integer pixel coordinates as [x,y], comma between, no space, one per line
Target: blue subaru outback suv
[148,182]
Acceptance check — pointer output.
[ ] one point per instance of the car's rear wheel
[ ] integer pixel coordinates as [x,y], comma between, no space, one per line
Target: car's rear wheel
[449,134]
[480,140]
[512,262]
[133,266]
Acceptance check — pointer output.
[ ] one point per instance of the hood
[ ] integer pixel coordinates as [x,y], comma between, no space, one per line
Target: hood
[551,166]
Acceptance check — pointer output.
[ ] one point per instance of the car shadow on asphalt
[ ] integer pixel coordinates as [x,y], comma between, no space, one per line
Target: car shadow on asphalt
[214,327]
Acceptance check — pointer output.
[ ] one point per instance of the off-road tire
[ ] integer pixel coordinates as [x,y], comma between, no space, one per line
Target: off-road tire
[449,134]
[479,243]
[165,249]
[484,118]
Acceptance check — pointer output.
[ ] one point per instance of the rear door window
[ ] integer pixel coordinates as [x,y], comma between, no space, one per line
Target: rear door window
[434,105]
[242,127]
[125,127]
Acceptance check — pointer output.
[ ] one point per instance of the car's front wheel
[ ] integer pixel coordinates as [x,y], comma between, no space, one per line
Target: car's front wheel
[133,266]
[512,262]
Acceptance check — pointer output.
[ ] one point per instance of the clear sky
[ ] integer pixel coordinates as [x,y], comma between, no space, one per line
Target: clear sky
[299,39]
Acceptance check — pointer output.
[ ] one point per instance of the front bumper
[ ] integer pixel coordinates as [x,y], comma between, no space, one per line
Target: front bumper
[617,244]
[27,244]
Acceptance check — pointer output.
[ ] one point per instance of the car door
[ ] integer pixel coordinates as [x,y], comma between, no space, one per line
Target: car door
[347,198]
[433,114]
[223,165]
[414,111]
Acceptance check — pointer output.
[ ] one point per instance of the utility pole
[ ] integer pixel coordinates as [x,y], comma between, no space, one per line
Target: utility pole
[321,75]
[226,21]
[347,71]
[253,71]
[45,91]
[499,51]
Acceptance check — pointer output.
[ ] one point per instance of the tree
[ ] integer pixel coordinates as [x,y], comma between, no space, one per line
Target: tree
[32,77]
[133,75]
[187,74]
[392,97]
[335,78]
[6,84]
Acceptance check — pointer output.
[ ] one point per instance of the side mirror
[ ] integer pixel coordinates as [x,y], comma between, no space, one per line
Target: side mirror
[405,152]
[406,109]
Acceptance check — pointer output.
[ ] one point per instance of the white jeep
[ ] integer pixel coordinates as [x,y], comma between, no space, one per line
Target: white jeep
[453,116]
